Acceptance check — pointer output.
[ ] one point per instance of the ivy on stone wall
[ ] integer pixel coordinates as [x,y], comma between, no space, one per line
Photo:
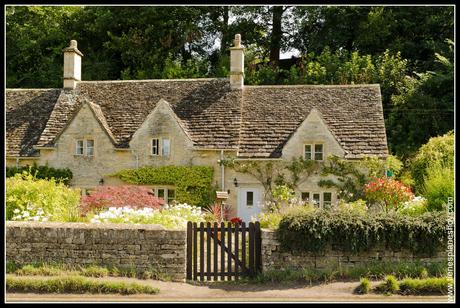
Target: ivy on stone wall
[350,232]
[43,172]
[193,183]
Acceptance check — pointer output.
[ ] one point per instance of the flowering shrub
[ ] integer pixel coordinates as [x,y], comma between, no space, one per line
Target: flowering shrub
[358,207]
[389,192]
[30,213]
[414,207]
[236,220]
[29,198]
[120,196]
[170,216]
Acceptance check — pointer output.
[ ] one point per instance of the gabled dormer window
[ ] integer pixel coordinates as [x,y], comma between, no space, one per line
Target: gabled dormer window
[84,147]
[314,151]
[155,146]
[90,147]
[79,147]
[161,146]
[166,147]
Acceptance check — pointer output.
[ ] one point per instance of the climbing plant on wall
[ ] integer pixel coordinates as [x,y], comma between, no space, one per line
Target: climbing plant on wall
[193,183]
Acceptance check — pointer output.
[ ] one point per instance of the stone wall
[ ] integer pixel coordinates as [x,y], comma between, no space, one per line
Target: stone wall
[146,247]
[274,258]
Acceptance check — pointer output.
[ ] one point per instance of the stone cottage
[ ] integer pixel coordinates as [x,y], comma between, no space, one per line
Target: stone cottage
[96,128]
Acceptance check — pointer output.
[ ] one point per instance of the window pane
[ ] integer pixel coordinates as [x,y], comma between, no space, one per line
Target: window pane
[318,152]
[79,149]
[316,199]
[327,199]
[249,198]
[161,193]
[305,196]
[308,151]
[166,147]
[90,147]
[171,195]
[155,146]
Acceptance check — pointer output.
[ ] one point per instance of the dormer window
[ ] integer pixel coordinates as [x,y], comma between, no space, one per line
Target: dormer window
[84,147]
[79,147]
[90,147]
[314,151]
[166,147]
[161,146]
[155,146]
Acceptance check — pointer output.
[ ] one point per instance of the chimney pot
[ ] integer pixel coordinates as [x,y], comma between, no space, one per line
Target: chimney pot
[72,65]
[237,64]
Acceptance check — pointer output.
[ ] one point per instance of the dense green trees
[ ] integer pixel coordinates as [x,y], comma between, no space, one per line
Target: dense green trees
[398,47]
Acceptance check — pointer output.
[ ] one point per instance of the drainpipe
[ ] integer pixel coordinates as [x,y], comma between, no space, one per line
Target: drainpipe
[222,170]
[137,158]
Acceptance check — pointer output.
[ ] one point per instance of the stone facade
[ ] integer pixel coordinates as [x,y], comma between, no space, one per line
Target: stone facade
[273,258]
[145,247]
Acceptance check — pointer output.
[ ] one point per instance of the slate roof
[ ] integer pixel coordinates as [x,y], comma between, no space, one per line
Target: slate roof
[257,120]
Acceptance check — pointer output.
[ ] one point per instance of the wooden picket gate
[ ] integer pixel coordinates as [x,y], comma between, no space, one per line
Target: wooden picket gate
[218,252]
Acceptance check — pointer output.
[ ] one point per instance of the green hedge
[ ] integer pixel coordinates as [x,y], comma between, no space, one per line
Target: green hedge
[193,183]
[43,172]
[352,232]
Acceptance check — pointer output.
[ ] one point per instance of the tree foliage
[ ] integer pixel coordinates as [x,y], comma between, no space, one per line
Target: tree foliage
[402,48]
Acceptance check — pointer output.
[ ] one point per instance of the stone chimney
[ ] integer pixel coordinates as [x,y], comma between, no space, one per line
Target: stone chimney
[237,64]
[72,65]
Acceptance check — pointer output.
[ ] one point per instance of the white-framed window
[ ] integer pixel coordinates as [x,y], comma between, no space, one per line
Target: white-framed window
[316,199]
[168,194]
[155,146]
[320,199]
[79,147]
[249,198]
[314,151]
[327,199]
[90,147]
[305,196]
[165,147]
[161,147]
[319,152]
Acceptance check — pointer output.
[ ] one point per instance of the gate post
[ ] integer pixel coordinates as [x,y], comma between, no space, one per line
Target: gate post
[189,250]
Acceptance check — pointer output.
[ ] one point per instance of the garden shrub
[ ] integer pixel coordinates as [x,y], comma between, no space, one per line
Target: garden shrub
[416,206]
[170,216]
[32,199]
[351,176]
[42,172]
[438,285]
[438,150]
[388,192]
[120,196]
[438,186]
[364,286]
[193,183]
[390,286]
[354,232]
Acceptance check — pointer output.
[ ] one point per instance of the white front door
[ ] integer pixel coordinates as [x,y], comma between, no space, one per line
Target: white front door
[249,203]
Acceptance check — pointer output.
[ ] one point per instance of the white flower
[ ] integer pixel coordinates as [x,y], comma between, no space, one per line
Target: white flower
[45,219]
[36,218]
[25,214]
[16,211]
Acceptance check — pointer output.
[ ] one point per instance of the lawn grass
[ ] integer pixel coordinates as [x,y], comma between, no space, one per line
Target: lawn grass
[425,286]
[364,286]
[412,286]
[74,284]
[373,271]
[46,269]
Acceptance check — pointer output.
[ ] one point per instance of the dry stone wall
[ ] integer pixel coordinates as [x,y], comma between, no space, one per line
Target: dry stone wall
[273,258]
[145,247]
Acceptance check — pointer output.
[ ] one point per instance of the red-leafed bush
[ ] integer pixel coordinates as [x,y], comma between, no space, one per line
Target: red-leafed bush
[236,220]
[389,192]
[119,196]
[217,212]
